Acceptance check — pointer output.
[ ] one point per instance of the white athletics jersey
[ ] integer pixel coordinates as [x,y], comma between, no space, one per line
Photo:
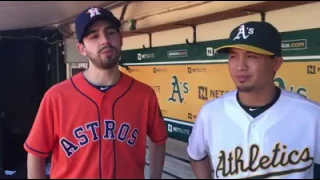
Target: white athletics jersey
[282,142]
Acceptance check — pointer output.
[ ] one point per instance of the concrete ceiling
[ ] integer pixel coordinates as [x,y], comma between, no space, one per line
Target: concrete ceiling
[31,14]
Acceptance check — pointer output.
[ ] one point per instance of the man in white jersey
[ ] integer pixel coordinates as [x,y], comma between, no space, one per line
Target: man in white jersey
[259,130]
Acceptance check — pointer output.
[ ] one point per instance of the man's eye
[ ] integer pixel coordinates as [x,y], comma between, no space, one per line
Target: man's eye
[111,32]
[231,56]
[252,56]
[92,36]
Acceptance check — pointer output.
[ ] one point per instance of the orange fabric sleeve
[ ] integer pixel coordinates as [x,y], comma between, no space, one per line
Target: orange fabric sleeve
[41,137]
[157,129]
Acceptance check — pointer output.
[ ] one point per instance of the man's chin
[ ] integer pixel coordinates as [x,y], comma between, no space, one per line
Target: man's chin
[244,88]
[105,65]
[110,64]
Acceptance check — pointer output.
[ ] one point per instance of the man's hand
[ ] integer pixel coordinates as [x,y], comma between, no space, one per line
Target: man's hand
[157,156]
[202,169]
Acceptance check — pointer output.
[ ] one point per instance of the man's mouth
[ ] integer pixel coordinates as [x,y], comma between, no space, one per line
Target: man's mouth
[242,78]
[106,51]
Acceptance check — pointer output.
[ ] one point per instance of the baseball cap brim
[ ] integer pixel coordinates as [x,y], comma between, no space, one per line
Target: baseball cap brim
[113,21]
[225,49]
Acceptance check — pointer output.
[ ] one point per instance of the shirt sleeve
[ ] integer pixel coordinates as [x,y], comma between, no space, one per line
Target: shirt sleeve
[197,143]
[41,137]
[157,129]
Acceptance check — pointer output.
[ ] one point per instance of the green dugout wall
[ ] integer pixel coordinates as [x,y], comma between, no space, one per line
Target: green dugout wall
[186,76]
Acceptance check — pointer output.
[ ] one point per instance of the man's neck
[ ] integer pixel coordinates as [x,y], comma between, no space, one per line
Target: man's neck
[104,77]
[258,99]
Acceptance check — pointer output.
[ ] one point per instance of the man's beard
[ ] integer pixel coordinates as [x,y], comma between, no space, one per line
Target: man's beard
[99,63]
[245,88]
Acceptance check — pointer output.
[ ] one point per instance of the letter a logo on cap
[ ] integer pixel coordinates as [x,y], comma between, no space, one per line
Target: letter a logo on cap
[93,12]
[242,31]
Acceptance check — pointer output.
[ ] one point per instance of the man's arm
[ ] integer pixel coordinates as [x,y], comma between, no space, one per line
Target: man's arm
[198,149]
[41,139]
[157,132]
[36,167]
[202,168]
[157,157]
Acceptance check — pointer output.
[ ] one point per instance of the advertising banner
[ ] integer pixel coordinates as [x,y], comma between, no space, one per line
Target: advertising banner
[183,89]
[185,77]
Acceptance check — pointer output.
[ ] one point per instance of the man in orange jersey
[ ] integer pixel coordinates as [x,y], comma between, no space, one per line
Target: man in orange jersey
[96,123]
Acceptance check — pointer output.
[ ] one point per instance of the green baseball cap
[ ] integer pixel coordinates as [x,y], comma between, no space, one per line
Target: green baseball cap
[258,37]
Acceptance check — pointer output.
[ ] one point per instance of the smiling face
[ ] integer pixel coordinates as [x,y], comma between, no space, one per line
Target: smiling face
[102,45]
[251,71]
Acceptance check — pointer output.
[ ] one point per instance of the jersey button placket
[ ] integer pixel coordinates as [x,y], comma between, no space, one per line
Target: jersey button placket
[253,139]
[252,136]
[102,115]
[249,143]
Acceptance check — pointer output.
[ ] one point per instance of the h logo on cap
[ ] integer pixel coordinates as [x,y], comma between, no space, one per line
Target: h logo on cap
[242,31]
[93,12]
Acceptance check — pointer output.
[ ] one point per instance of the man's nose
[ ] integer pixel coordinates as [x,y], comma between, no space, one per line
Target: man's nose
[104,40]
[242,64]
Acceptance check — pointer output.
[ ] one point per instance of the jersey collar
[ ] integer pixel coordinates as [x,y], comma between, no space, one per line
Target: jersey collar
[86,89]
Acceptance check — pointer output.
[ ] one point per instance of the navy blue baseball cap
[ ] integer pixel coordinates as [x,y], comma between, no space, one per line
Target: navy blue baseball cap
[91,15]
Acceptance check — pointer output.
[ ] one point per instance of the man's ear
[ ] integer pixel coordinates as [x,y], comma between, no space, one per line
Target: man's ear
[278,63]
[82,49]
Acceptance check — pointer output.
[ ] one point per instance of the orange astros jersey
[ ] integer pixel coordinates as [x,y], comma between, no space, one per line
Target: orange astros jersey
[92,134]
